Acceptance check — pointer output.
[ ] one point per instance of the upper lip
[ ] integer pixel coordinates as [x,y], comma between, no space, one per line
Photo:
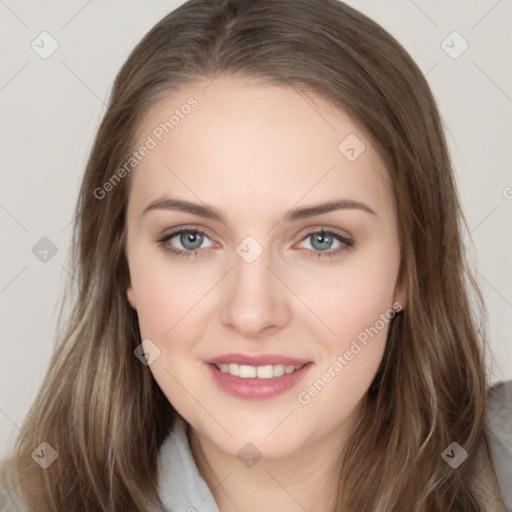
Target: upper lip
[257,360]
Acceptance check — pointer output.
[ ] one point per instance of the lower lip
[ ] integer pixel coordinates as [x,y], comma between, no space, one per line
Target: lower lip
[257,389]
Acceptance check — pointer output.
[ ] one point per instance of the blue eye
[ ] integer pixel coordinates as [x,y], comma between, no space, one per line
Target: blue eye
[191,241]
[322,241]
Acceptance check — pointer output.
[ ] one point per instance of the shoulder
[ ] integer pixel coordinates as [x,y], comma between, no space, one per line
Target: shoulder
[499,431]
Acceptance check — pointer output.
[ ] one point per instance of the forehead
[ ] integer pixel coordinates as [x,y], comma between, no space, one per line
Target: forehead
[263,146]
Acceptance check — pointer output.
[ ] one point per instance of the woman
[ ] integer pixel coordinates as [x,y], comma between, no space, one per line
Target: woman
[272,310]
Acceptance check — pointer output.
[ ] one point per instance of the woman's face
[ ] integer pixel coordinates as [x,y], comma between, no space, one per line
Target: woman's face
[248,168]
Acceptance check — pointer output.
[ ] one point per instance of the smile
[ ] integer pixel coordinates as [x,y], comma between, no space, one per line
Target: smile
[256,382]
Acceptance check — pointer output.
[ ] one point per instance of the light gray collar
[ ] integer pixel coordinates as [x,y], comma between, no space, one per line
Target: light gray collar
[180,486]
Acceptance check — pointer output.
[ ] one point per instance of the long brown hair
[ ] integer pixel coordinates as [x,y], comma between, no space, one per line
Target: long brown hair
[100,408]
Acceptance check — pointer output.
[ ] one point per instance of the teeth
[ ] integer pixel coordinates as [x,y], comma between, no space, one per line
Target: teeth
[259,372]
[246,372]
[265,372]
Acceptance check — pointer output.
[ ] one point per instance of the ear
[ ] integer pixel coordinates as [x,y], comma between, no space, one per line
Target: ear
[130,295]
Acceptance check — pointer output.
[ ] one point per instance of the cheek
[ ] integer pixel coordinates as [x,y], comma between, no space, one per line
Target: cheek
[168,305]
[352,297]
[358,316]
[358,309]
[164,292]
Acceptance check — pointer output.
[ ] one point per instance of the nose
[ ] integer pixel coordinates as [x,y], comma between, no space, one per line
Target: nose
[254,300]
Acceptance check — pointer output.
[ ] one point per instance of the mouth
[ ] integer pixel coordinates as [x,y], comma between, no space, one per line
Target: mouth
[256,382]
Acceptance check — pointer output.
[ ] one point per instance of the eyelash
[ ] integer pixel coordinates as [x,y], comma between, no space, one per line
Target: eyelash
[347,244]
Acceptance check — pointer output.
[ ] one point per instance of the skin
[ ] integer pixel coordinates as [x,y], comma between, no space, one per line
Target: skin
[254,152]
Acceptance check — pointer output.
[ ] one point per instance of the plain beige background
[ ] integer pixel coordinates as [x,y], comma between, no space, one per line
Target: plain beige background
[52,106]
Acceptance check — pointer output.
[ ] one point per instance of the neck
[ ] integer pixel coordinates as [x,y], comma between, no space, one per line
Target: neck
[306,479]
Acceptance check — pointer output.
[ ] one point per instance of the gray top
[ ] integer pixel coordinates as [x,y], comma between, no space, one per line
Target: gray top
[499,428]
[182,489]
[180,486]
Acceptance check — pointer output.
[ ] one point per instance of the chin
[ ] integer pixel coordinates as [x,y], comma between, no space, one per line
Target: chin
[262,438]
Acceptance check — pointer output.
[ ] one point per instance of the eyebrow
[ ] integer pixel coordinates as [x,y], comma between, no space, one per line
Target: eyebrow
[209,212]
